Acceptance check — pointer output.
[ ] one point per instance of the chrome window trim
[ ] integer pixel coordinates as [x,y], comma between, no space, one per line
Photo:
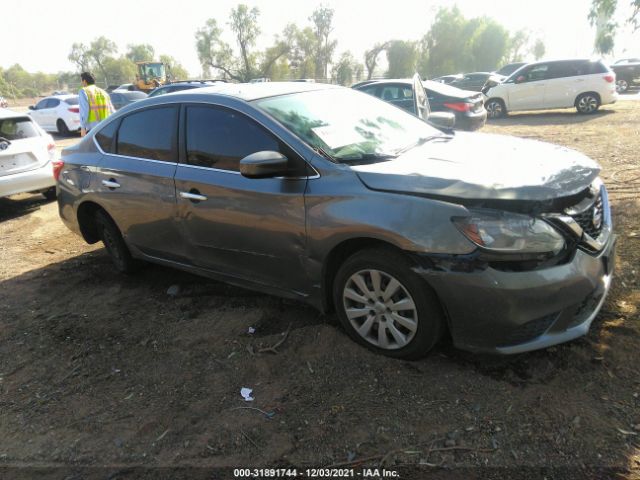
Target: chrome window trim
[314,176]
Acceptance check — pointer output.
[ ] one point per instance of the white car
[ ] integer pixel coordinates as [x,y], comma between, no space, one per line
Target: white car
[125,87]
[60,113]
[583,84]
[27,156]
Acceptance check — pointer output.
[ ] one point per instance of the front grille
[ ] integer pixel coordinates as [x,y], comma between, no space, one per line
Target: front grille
[592,219]
[530,330]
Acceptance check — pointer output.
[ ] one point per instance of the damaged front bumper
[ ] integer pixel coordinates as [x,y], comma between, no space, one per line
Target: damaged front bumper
[509,312]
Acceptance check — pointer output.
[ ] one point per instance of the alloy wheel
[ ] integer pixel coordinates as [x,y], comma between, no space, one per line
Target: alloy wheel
[588,104]
[622,85]
[380,309]
[494,109]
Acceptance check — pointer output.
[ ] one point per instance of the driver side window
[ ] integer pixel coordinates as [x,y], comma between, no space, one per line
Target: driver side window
[536,73]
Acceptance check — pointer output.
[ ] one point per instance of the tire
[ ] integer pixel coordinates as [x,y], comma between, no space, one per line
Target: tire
[62,128]
[401,294]
[50,194]
[622,85]
[114,243]
[495,108]
[587,103]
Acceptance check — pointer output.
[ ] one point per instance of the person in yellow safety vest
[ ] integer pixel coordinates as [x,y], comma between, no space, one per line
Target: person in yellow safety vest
[95,104]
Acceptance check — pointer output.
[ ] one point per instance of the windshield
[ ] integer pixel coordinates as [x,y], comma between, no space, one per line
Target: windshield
[346,124]
[154,70]
[17,128]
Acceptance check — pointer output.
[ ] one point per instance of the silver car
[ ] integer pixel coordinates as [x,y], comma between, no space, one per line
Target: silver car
[333,197]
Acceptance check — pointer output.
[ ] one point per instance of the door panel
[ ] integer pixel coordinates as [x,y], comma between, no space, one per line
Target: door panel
[252,229]
[136,183]
[529,94]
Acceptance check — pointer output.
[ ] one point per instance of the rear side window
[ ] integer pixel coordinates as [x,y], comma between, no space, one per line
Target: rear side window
[106,135]
[72,100]
[53,103]
[17,128]
[591,68]
[149,134]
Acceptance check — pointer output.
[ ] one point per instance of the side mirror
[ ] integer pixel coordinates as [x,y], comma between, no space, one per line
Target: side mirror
[520,79]
[32,107]
[265,164]
[444,120]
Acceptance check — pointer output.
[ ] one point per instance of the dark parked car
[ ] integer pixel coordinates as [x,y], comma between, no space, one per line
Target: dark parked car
[509,68]
[177,86]
[475,81]
[447,79]
[333,197]
[468,107]
[627,73]
[122,99]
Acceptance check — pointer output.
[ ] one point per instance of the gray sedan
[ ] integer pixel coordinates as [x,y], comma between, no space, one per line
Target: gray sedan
[336,198]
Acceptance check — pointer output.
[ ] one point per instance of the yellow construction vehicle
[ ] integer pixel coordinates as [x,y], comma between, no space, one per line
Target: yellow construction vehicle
[150,75]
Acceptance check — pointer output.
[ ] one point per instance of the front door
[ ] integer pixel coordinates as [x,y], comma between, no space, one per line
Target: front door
[251,229]
[528,90]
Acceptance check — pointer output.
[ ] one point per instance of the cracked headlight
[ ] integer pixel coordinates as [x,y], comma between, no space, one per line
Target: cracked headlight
[505,232]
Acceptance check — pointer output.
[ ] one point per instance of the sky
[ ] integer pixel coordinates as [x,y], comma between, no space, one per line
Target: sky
[38,34]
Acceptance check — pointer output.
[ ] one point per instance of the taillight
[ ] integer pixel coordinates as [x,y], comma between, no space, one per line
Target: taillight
[610,78]
[57,168]
[74,109]
[459,106]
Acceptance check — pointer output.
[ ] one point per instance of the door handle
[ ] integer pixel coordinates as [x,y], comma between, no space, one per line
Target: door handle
[111,183]
[193,195]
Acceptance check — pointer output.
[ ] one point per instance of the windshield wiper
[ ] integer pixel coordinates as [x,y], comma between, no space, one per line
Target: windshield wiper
[324,153]
[368,157]
[422,141]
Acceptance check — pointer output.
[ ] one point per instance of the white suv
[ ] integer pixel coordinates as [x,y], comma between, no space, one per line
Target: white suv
[28,156]
[583,84]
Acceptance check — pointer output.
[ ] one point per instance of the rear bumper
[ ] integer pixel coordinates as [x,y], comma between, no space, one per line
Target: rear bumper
[609,96]
[40,178]
[471,121]
[513,312]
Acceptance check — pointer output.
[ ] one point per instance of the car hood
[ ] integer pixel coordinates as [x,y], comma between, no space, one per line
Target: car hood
[484,166]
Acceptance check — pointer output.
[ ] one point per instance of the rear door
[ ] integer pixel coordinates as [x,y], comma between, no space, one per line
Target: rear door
[50,113]
[239,227]
[135,180]
[563,84]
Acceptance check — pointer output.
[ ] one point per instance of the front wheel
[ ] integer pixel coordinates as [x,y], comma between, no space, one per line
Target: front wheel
[495,108]
[114,243]
[587,103]
[385,306]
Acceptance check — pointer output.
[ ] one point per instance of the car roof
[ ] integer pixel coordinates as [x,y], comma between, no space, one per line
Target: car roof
[254,91]
[8,113]
[62,97]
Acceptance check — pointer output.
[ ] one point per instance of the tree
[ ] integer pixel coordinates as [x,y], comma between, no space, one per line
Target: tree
[99,50]
[489,45]
[402,57]
[346,70]
[140,53]
[322,19]
[539,49]
[119,70]
[518,42]
[175,69]
[301,53]
[244,23]
[601,16]
[215,53]
[80,56]
[371,57]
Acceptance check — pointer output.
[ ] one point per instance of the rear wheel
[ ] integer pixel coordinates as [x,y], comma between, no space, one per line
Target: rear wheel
[495,108]
[114,243]
[50,194]
[587,103]
[385,306]
[622,85]
[62,127]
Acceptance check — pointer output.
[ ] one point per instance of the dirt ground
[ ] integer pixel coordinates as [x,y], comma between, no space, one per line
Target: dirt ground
[108,376]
